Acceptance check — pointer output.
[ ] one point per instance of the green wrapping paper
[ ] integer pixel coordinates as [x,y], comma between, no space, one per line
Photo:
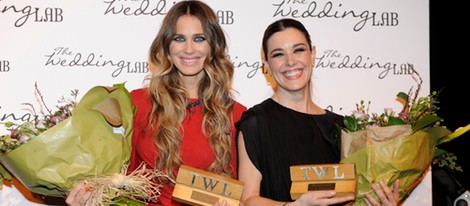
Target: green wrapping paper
[404,156]
[95,140]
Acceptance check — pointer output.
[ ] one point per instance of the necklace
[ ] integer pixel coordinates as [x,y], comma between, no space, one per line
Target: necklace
[191,106]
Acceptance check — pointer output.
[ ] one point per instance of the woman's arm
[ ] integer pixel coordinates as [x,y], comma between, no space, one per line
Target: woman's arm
[251,177]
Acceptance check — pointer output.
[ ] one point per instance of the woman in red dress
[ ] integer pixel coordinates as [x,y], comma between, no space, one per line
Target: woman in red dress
[186,112]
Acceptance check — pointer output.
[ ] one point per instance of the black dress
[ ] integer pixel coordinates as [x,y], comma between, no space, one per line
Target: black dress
[277,137]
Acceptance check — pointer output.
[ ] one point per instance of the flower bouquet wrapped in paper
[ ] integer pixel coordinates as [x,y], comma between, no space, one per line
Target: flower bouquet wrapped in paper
[94,140]
[393,146]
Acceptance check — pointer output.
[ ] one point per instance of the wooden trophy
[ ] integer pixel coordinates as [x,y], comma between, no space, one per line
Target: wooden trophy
[339,177]
[202,188]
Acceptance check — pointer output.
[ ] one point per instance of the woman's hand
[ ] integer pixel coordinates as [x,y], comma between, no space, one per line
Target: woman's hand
[321,198]
[386,196]
[79,195]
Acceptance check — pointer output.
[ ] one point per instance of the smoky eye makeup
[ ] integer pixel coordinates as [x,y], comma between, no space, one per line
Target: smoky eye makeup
[199,38]
[178,38]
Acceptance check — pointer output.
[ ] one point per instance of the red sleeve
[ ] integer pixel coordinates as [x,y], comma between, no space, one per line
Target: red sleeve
[238,110]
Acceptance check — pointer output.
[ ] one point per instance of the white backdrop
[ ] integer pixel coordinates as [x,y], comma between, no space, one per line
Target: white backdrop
[363,48]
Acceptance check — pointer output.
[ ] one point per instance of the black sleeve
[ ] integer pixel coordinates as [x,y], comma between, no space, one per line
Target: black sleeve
[249,126]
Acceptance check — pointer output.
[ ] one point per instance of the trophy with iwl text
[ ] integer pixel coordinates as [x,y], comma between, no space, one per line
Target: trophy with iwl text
[339,177]
[198,187]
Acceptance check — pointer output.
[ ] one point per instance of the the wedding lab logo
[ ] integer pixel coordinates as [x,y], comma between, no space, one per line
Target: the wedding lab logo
[333,59]
[65,57]
[153,8]
[10,116]
[136,7]
[253,67]
[24,14]
[333,10]
[4,66]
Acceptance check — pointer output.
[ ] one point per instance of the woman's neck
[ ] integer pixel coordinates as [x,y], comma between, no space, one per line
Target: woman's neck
[191,84]
[300,103]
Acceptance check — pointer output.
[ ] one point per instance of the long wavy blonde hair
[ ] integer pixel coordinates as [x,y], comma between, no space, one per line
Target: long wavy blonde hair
[169,96]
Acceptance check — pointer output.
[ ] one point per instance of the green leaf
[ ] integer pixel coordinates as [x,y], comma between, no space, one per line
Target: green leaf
[123,200]
[439,152]
[426,121]
[9,124]
[350,123]
[403,95]
[395,121]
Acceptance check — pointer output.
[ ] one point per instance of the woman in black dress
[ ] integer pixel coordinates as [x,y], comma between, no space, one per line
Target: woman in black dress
[289,128]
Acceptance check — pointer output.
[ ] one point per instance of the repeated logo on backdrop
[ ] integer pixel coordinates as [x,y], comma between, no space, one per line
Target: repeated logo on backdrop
[136,7]
[333,59]
[76,44]
[356,18]
[28,13]
[65,57]
[303,9]
[307,10]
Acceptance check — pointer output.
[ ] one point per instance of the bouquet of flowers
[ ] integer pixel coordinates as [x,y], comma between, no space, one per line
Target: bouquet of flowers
[392,145]
[85,141]
[22,133]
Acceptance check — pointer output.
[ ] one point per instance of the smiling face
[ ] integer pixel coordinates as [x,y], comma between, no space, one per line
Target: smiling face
[189,47]
[290,60]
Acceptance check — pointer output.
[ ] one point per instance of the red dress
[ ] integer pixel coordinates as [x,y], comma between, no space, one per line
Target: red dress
[195,148]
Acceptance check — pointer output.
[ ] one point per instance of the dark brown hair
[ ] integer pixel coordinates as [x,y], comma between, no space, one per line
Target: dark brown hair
[281,25]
